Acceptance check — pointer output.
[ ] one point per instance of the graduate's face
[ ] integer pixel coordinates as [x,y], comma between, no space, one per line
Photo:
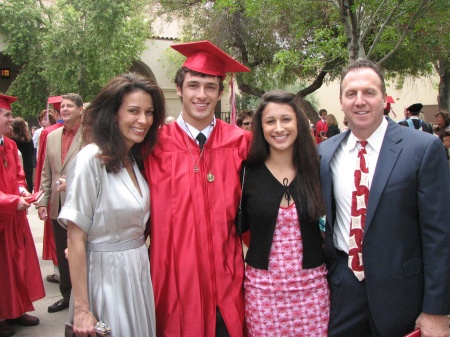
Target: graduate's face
[199,97]
[362,101]
[135,117]
[6,118]
[279,124]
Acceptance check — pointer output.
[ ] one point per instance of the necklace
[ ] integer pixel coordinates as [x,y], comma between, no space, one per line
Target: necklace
[196,169]
[209,176]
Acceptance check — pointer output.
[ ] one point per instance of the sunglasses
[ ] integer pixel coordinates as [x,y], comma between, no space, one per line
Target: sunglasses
[247,123]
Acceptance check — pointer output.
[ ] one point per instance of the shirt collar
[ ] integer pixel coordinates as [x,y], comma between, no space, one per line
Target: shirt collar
[414,117]
[375,140]
[193,132]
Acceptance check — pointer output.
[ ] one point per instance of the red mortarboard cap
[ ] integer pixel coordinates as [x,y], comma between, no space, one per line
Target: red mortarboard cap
[416,107]
[389,101]
[5,101]
[206,58]
[56,101]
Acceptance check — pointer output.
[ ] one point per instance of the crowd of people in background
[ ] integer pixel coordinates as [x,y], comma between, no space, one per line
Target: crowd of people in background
[328,254]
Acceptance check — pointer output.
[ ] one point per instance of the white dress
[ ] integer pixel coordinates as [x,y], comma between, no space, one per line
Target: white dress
[109,208]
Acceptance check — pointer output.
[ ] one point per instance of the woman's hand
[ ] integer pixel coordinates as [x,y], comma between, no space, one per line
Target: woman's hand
[84,323]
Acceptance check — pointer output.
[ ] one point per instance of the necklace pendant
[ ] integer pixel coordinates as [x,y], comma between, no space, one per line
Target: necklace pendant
[210,177]
[5,163]
[195,169]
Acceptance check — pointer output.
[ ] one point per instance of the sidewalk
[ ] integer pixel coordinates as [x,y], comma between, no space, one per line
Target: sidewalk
[52,325]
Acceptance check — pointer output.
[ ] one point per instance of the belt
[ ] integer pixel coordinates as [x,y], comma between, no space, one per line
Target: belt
[115,246]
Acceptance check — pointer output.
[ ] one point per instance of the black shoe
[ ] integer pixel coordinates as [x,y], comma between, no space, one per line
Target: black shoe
[59,305]
[5,329]
[52,278]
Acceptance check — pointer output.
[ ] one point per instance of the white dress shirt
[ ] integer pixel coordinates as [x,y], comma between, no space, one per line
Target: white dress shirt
[193,132]
[343,169]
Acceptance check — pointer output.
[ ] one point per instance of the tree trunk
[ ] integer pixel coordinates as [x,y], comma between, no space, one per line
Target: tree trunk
[443,69]
[308,109]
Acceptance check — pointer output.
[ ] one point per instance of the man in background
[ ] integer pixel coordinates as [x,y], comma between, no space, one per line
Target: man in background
[414,122]
[63,145]
[245,118]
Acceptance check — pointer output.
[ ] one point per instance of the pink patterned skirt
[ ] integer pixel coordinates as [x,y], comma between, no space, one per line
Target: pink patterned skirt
[287,300]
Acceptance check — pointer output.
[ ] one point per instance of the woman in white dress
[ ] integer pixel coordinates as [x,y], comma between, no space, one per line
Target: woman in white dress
[107,209]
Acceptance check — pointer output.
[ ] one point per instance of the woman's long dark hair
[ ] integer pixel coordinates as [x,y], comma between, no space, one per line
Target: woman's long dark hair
[305,158]
[100,120]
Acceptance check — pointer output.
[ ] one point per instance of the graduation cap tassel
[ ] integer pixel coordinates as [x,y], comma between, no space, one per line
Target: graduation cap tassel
[232,102]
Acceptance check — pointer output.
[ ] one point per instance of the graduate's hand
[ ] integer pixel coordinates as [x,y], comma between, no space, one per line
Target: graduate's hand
[22,205]
[25,193]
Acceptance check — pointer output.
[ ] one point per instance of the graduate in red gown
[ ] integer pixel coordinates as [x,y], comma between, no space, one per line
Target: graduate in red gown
[48,246]
[20,280]
[321,126]
[196,257]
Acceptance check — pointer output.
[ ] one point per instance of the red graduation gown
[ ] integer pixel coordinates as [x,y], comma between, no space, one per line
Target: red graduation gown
[20,280]
[48,246]
[196,257]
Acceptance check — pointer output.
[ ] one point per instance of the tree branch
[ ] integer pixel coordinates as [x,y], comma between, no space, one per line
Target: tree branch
[372,19]
[380,31]
[421,11]
[248,89]
[316,84]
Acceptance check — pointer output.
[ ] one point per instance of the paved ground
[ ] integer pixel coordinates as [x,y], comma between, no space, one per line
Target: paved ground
[52,325]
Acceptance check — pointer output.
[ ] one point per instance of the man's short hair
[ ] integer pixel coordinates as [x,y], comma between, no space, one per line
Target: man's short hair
[74,98]
[363,64]
[321,111]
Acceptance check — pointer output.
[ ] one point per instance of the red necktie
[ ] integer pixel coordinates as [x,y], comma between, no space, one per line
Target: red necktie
[360,197]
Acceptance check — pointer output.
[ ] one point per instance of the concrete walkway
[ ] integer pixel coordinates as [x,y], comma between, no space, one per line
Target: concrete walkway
[52,325]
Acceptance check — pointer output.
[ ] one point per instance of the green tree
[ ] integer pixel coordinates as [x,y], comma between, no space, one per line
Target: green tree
[71,46]
[302,41]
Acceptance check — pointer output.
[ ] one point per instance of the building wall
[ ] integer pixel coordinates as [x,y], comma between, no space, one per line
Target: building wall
[419,90]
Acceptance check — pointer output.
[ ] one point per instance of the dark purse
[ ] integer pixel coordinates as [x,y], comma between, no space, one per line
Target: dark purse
[240,218]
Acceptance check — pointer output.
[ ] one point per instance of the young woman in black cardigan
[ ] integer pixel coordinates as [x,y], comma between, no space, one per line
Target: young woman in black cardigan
[286,291]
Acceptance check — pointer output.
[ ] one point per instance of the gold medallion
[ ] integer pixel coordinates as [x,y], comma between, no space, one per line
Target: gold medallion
[210,177]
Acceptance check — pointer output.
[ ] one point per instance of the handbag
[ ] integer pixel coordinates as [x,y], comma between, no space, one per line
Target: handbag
[101,329]
[239,220]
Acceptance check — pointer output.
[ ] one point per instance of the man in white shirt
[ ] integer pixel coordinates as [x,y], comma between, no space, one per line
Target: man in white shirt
[389,213]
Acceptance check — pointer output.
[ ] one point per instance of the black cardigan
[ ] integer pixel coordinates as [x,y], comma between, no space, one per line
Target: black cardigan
[260,202]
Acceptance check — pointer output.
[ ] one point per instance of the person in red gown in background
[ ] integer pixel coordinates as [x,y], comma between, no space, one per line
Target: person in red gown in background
[321,126]
[48,247]
[21,280]
[196,256]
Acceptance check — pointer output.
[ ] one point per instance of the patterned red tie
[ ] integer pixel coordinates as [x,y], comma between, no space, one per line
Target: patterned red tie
[360,197]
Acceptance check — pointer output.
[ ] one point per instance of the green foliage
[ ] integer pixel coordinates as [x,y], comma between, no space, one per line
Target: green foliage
[292,42]
[71,46]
